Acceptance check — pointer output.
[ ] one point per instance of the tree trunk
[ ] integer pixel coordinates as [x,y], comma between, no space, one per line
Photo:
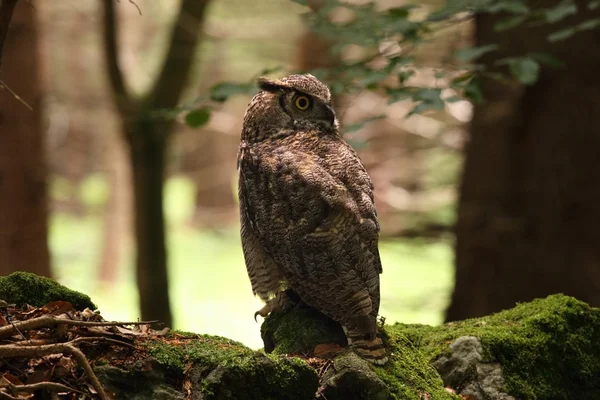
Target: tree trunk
[23,202]
[148,135]
[147,146]
[530,195]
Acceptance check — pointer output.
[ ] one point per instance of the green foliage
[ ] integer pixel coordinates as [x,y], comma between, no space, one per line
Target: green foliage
[525,69]
[391,35]
[224,90]
[198,118]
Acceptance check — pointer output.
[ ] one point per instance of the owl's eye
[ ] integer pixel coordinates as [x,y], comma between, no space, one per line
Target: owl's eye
[302,103]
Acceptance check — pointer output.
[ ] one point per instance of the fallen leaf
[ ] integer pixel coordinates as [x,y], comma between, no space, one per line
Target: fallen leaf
[57,307]
[327,350]
[11,378]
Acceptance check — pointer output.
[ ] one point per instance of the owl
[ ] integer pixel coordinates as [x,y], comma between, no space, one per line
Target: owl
[308,219]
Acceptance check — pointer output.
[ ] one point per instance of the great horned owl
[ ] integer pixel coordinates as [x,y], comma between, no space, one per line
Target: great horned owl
[308,220]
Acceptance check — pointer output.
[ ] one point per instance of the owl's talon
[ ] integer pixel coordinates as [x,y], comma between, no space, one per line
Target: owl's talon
[263,312]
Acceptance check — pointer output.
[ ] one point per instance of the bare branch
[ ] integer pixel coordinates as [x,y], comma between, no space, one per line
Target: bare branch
[49,321]
[179,58]
[59,348]
[6,13]
[111,56]
[50,386]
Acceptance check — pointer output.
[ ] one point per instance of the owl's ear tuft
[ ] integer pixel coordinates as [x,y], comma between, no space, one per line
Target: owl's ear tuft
[270,85]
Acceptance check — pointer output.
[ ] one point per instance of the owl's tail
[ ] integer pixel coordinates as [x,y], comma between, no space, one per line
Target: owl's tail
[367,347]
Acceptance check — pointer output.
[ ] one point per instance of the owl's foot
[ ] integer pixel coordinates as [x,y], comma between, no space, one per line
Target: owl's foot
[366,345]
[370,350]
[279,303]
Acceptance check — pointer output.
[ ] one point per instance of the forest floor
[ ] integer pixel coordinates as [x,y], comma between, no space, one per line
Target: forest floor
[210,291]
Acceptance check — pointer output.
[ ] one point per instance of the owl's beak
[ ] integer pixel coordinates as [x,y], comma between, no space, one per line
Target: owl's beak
[329,114]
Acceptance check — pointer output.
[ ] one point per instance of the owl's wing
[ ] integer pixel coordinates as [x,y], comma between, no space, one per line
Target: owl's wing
[265,276]
[310,222]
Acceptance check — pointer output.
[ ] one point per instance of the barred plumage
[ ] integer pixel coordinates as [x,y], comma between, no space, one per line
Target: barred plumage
[308,219]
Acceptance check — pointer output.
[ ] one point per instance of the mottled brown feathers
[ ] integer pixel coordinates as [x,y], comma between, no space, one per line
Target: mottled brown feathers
[308,219]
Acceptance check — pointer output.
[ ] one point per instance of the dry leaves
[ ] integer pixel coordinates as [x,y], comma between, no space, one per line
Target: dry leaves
[50,348]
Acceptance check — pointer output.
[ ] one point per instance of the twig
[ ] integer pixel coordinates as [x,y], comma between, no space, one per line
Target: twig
[4,395]
[49,321]
[16,96]
[103,339]
[6,13]
[32,351]
[50,386]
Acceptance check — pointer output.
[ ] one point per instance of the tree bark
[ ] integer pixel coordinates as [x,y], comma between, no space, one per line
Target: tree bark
[530,197]
[148,137]
[23,199]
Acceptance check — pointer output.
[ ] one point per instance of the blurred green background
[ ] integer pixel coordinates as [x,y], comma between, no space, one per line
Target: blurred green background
[210,289]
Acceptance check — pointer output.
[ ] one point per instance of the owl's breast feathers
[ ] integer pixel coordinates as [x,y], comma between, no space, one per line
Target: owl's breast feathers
[304,184]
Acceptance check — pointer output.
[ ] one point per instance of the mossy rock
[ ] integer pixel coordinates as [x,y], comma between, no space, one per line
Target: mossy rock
[408,375]
[545,349]
[27,288]
[299,331]
[219,368]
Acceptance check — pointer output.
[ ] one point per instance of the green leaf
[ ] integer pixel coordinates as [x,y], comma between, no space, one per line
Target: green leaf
[462,78]
[546,59]
[525,69]
[453,99]
[402,11]
[473,91]
[561,35]
[509,23]
[592,5]
[471,53]
[589,25]
[399,94]
[223,90]
[357,126]
[560,11]
[268,71]
[406,74]
[512,6]
[197,118]
[425,106]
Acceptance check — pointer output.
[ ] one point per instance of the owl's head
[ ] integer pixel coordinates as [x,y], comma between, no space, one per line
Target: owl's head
[296,102]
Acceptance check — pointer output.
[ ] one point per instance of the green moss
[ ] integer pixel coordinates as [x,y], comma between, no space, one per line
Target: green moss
[221,365]
[203,350]
[548,348]
[299,330]
[258,376]
[408,373]
[27,288]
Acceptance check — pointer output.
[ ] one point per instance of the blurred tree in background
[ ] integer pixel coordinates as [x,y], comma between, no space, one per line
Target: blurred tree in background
[23,171]
[529,189]
[147,135]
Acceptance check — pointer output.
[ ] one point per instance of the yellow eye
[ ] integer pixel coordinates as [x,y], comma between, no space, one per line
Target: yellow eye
[302,103]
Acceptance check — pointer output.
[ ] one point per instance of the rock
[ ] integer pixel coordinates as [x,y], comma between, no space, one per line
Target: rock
[544,349]
[257,376]
[26,288]
[352,378]
[137,384]
[466,367]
